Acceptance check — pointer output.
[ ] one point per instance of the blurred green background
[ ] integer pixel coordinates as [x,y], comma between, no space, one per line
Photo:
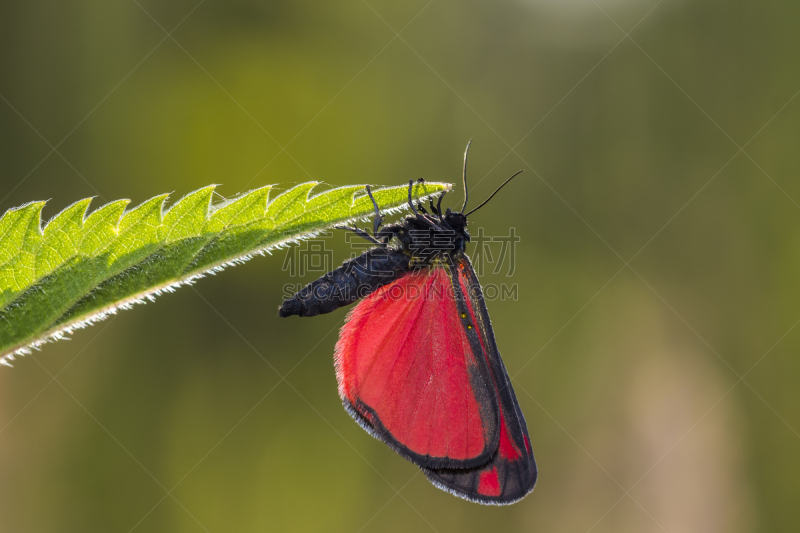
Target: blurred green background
[660,396]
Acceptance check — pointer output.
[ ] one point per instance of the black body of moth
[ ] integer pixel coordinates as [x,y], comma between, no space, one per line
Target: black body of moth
[420,240]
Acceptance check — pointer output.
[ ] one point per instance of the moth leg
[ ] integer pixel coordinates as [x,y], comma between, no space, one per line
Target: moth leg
[414,209]
[410,201]
[360,232]
[433,208]
[378,220]
[437,211]
[387,233]
[419,203]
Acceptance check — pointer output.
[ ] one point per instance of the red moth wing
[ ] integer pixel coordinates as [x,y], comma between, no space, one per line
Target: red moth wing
[410,375]
[511,473]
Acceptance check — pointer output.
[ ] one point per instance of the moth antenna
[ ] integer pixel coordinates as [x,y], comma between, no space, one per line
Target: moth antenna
[464,174]
[517,173]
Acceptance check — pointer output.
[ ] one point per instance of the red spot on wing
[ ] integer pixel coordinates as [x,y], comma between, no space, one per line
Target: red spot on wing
[489,483]
[507,449]
[405,355]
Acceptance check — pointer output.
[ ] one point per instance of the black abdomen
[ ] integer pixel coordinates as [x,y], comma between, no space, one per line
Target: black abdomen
[355,279]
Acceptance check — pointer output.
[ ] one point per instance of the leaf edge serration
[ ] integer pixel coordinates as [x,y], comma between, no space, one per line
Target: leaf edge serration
[212,228]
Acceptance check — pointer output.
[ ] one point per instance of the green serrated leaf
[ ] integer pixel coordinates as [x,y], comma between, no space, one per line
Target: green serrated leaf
[13,228]
[61,239]
[187,217]
[79,268]
[25,238]
[101,227]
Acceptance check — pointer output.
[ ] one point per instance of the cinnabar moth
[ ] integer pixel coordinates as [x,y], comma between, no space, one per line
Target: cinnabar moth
[417,362]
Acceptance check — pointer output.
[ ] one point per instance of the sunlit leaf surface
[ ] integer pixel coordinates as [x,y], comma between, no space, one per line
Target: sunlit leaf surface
[84,265]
